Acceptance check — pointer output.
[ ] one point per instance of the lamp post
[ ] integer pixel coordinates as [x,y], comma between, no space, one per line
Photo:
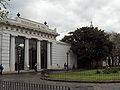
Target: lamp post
[67,59]
[19,56]
[67,53]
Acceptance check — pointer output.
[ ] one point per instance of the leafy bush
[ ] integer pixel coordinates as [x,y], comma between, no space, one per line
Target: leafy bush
[114,70]
[98,72]
[110,70]
[106,71]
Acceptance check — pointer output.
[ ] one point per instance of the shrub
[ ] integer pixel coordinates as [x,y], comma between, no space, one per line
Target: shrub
[98,72]
[106,71]
[110,70]
[114,70]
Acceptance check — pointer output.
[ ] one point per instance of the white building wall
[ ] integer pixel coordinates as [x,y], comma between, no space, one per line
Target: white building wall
[59,56]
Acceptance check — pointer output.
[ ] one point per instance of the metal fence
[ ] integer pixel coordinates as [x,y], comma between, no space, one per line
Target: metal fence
[8,85]
[107,74]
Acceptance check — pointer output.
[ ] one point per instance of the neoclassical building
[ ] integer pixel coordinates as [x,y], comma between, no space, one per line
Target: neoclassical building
[30,43]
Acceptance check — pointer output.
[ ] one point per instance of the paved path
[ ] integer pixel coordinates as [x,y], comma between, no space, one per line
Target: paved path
[35,78]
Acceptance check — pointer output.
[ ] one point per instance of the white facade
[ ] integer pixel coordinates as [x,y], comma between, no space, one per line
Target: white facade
[56,51]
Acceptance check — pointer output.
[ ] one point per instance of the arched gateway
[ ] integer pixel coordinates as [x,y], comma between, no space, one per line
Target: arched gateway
[27,43]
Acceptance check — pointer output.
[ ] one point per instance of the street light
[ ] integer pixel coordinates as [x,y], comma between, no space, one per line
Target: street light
[19,56]
[67,53]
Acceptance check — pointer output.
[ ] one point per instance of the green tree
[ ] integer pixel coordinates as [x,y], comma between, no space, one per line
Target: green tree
[3,9]
[4,3]
[89,44]
[115,55]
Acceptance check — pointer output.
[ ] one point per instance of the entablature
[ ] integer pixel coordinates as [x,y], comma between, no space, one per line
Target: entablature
[28,31]
[17,25]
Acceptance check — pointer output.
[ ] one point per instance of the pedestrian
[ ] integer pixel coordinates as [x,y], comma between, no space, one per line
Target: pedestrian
[65,66]
[35,67]
[1,69]
[18,67]
[73,66]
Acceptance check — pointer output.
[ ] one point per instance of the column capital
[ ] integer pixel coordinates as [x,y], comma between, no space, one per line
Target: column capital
[13,35]
[27,37]
[49,41]
[38,40]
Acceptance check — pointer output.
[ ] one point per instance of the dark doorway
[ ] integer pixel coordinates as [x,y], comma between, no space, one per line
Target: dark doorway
[32,53]
[44,54]
[19,51]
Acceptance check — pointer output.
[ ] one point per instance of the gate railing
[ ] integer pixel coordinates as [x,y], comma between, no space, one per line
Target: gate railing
[9,85]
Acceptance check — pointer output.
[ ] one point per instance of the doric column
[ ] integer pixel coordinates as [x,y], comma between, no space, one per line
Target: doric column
[26,65]
[12,54]
[38,55]
[48,56]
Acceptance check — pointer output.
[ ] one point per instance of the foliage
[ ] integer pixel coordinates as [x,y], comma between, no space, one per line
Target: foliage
[3,14]
[115,54]
[3,9]
[107,71]
[98,72]
[89,44]
[110,70]
[4,3]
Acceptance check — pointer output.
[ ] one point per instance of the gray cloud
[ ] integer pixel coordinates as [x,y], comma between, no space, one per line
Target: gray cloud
[67,15]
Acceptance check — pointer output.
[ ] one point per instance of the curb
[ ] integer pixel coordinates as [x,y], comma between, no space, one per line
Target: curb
[73,81]
[21,72]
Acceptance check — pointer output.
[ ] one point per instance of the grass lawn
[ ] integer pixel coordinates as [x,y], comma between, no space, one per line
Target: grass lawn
[85,75]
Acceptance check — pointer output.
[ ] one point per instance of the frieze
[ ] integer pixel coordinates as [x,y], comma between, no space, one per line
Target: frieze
[28,24]
[16,26]
[31,23]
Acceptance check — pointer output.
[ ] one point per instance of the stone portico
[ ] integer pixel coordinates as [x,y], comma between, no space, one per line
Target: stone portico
[37,45]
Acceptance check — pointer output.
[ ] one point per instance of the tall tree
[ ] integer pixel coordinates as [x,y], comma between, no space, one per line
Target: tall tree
[89,44]
[115,55]
[3,9]
[4,3]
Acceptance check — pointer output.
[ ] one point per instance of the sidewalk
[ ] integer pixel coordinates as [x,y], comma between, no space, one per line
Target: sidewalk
[21,72]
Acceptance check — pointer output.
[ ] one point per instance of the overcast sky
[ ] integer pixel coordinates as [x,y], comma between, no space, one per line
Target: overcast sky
[67,15]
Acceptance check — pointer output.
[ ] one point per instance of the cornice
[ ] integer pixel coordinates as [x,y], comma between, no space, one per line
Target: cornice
[14,23]
[12,28]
